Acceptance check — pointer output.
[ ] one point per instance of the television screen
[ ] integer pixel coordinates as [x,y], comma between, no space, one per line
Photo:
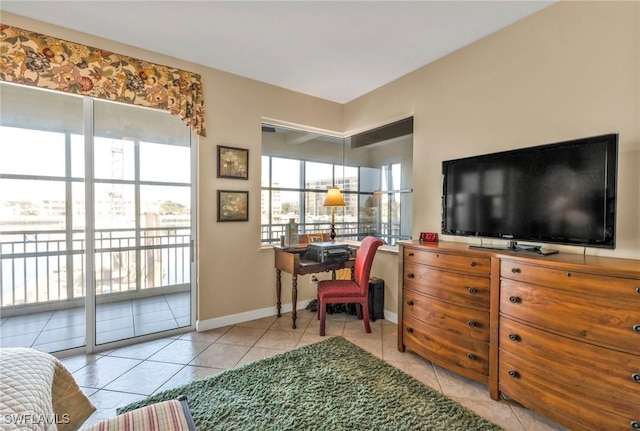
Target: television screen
[561,193]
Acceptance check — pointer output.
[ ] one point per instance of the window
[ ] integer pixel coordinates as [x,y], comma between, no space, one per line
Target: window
[373,171]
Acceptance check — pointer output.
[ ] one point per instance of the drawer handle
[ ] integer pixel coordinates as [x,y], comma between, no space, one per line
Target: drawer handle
[411,275]
[410,254]
[569,274]
[514,299]
[636,328]
[513,337]
[638,289]
[473,264]
[636,377]
[471,356]
[635,425]
[471,323]
[410,303]
[472,290]
[513,374]
[410,330]
[516,270]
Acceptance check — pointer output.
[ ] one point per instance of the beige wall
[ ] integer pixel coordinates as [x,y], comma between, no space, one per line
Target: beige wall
[571,70]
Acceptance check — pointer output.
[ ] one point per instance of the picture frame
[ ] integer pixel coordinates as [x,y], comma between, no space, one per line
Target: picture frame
[233,205]
[233,162]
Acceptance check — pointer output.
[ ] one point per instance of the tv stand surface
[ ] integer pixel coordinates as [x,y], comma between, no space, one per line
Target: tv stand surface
[517,248]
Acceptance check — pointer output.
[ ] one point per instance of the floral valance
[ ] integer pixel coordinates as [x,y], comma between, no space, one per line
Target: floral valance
[38,60]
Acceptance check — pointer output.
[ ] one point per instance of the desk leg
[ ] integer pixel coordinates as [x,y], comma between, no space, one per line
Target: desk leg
[278,290]
[294,299]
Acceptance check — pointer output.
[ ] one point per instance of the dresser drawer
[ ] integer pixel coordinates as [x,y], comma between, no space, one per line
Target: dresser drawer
[613,324]
[623,289]
[454,287]
[453,262]
[456,320]
[439,346]
[605,376]
[520,380]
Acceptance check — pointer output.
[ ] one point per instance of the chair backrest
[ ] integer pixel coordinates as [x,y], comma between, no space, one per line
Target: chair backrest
[364,260]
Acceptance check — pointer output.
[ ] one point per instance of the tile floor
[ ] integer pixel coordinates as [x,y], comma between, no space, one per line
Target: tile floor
[118,377]
[53,331]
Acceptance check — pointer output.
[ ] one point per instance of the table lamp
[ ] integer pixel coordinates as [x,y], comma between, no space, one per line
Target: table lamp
[333,199]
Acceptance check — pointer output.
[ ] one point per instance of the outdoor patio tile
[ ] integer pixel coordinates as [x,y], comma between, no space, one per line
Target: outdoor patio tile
[150,307]
[114,324]
[18,326]
[113,311]
[155,326]
[52,335]
[103,337]
[24,340]
[60,345]
[64,320]
[181,311]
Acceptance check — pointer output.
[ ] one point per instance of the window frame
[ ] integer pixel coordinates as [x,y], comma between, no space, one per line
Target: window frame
[271,232]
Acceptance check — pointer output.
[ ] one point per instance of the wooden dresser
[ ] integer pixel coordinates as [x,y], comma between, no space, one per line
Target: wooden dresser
[445,307]
[559,334]
[569,339]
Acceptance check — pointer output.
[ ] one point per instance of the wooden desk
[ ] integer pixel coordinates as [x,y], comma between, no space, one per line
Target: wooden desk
[289,260]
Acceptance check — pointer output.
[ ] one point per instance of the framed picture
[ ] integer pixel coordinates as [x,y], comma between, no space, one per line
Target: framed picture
[233,206]
[233,162]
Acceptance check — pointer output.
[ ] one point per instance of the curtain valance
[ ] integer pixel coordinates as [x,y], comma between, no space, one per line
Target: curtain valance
[34,59]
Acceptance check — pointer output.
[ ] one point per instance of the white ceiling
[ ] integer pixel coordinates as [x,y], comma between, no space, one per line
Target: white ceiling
[335,50]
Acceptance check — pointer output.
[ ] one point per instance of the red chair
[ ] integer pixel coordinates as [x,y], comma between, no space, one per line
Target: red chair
[350,291]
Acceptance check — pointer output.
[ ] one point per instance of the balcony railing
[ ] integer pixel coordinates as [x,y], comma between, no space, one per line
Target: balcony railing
[270,234]
[43,266]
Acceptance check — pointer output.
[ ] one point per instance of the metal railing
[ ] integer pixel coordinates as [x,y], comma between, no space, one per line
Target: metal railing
[41,266]
[270,234]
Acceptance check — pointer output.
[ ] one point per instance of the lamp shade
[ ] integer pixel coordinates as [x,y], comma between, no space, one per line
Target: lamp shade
[334,198]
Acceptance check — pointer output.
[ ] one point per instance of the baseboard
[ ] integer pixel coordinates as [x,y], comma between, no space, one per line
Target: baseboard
[391,317]
[232,319]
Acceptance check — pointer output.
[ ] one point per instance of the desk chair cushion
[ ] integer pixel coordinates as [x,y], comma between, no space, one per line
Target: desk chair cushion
[338,288]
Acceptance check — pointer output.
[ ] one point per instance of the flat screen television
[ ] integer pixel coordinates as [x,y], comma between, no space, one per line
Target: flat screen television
[561,193]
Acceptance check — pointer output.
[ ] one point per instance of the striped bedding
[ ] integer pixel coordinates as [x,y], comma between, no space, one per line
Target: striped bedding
[172,415]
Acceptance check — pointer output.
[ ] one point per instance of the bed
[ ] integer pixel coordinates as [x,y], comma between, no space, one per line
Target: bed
[38,393]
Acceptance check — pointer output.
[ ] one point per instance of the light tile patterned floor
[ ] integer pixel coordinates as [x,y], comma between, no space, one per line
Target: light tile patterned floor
[118,377]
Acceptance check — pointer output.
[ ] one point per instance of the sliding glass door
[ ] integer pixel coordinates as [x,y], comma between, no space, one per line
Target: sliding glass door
[96,221]
[142,231]
[42,253]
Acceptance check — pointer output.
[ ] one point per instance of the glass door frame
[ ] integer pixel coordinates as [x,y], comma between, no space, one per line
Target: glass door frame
[90,249]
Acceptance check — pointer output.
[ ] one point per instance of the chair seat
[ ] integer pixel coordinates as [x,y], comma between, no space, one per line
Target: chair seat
[338,288]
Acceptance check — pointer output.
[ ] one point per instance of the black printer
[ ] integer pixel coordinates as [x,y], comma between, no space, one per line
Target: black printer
[329,251]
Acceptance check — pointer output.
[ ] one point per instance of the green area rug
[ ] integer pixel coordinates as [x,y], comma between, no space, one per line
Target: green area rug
[331,385]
